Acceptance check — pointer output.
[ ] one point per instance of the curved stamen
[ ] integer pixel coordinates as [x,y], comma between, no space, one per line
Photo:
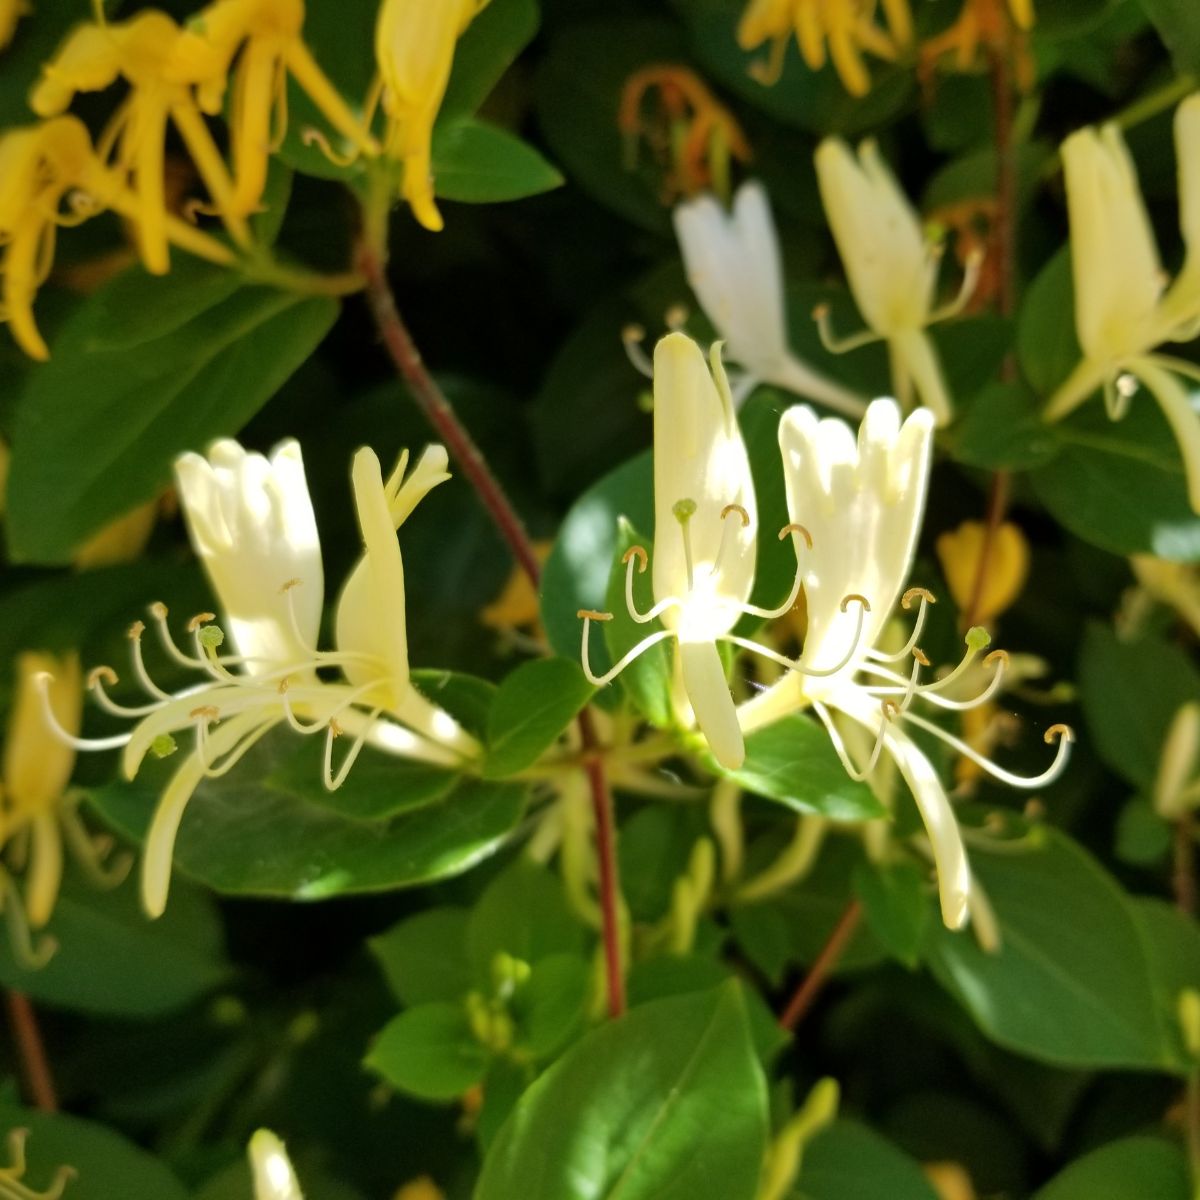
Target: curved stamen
[91,853]
[1060,733]
[636,556]
[158,613]
[317,726]
[589,615]
[314,137]
[864,607]
[887,711]
[41,681]
[926,692]
[771,614]
[972,269]
[632,337]
[20,938]
[831,341]
[977,640]
[139,666]
[333,782]
[723,548]
[927,598]
[97,678]
[215,769]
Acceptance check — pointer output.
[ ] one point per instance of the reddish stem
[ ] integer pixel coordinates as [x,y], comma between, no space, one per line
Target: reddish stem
[31,1053]
[830,955]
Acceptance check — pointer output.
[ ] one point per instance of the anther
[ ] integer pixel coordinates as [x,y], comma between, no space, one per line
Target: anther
[676,317]
[99,675]
[136,630]
[1057,733]
[291,583]
[594,614]
[632,337]
[794,528]
[335,730]
[1034,810]
[206,712]
[158,610]
[997,656]
[284,684]
[736,508]
[913,592]
[200,619]
[921,656]
[890,709]
[640,554]
[855,596]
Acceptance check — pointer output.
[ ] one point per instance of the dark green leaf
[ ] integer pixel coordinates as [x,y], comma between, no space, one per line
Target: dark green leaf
[1002,429]
[430,1052]
[848,1161]
[1143,837]
[896,902]
[425,957]
[1133,1169]
[1172,943]
[479,163]
[551,1005]
[1046,342]
[1178,24]
[668,1102]
[487,49]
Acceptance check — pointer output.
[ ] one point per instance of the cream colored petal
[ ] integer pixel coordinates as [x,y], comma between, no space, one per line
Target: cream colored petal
[274,1178]
[708,693]
[1178,406]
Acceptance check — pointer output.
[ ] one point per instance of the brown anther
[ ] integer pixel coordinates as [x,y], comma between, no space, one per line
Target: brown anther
[158,610]
[912,593]
[638,552]
[335,730]
[98,675]
[995,822]
[1034,810]
[792,527]
[136,630]
[206,712]
[890,709]
[737,508]
[594,614]
[633,333]
[921,656]
[676,317]
[820,312]
[291,583]
[200,619]
[284,684]
[1057,733]
[855,596]
[997,656]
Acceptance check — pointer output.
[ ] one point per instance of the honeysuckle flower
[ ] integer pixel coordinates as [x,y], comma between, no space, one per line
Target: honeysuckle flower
[1177,784]
[274,1178]
[10,1176]
[863,502]
[986,23]
[420,1189]
[960,550]
[268,35]
[414,49]
[1176,585]
[144,51]
[705,530]
[847,26]
[11,11]
[734,266]
[252,526]
[891,267]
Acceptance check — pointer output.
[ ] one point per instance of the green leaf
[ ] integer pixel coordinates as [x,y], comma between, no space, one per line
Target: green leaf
[424,958]
[1046,343]
[793,761]
[106,1164]
[265,829]
[1072,983]
[1130,691]
[112,960]
[523,913]
[479,163]
[668,1102]
[1178,24]
[848,1161]
[533,706]
[487,49]
[896,903]
[551,1006]
[1172,943]
[1143,837]
[429,1052]
[1002,429]
[1133,1169]
[653,849]
[144,369]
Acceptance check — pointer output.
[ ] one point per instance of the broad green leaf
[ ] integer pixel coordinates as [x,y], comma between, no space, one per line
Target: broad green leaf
[551,1005]
[1046,343]
[429,1052]
[144,369]
[263,830]
[112,960]
[896,903]
[1130,692]
[1143,837]
[667,1102]
[523,913]
[488,48]
[793,761]
[533,706]
[1072,983]
[653,848]
[848,1161]
[1178,24]
[425,957]
[479,163]
[1136,1168]
[1172,943]
[106,1165]
[1002,429]
[764,935]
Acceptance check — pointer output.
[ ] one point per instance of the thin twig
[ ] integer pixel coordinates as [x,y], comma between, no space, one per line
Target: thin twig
[440,413]
[31,1053]
[1183,871]
[826,960]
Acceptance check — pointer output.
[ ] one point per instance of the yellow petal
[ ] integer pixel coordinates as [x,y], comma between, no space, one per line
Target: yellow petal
[37,766]
[960,551]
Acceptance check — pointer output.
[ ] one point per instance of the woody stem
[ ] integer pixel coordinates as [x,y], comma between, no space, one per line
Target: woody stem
[31,1053]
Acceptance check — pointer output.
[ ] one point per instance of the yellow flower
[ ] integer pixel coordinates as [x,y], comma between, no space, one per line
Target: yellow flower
[10,1176]
[268,34]
[145,52]
[120,541]
[420,1189]
[1177,585]
[517,606]
[414,49]
[11,11]
[960,550]
[847,27]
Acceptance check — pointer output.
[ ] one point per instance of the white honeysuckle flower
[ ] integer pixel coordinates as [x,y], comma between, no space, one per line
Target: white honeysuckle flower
[252,524]
[274,1178]
[734,266]
[1124,307]
[705,529]
[863,501]
[891,266]
[1177,783]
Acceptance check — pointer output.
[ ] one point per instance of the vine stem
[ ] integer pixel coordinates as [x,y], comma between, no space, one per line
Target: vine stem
[1183,872]
[31,1053]
[831,953]
[440,413]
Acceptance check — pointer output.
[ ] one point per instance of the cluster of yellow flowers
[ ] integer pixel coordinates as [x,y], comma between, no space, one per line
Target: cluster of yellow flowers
[176,76]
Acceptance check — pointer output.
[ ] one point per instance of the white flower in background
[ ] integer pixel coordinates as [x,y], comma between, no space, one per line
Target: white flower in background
[734,266]
[274,1178]
[252,525]
[705,527]
[863,502]
[1177,784]
[1123,306]
[892,269]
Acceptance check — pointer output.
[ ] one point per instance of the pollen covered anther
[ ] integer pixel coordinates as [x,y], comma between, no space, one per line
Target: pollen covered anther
[200,619]
[913,593]
[793,527]
[1058,733]
[100,675]
[205,712]
[638,552]
[997,656]
[736,508]
[594,614]
[854,597]
[135,631]
[921,656]
[289,584]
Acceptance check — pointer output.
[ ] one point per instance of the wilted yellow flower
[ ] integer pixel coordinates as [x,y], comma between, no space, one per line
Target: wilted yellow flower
[950,1181]
[11,12]
[120,541]
[960,551]
[847,27]
[269,35]
[414,49]
[420,1189]
[517,606]
[146,52]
